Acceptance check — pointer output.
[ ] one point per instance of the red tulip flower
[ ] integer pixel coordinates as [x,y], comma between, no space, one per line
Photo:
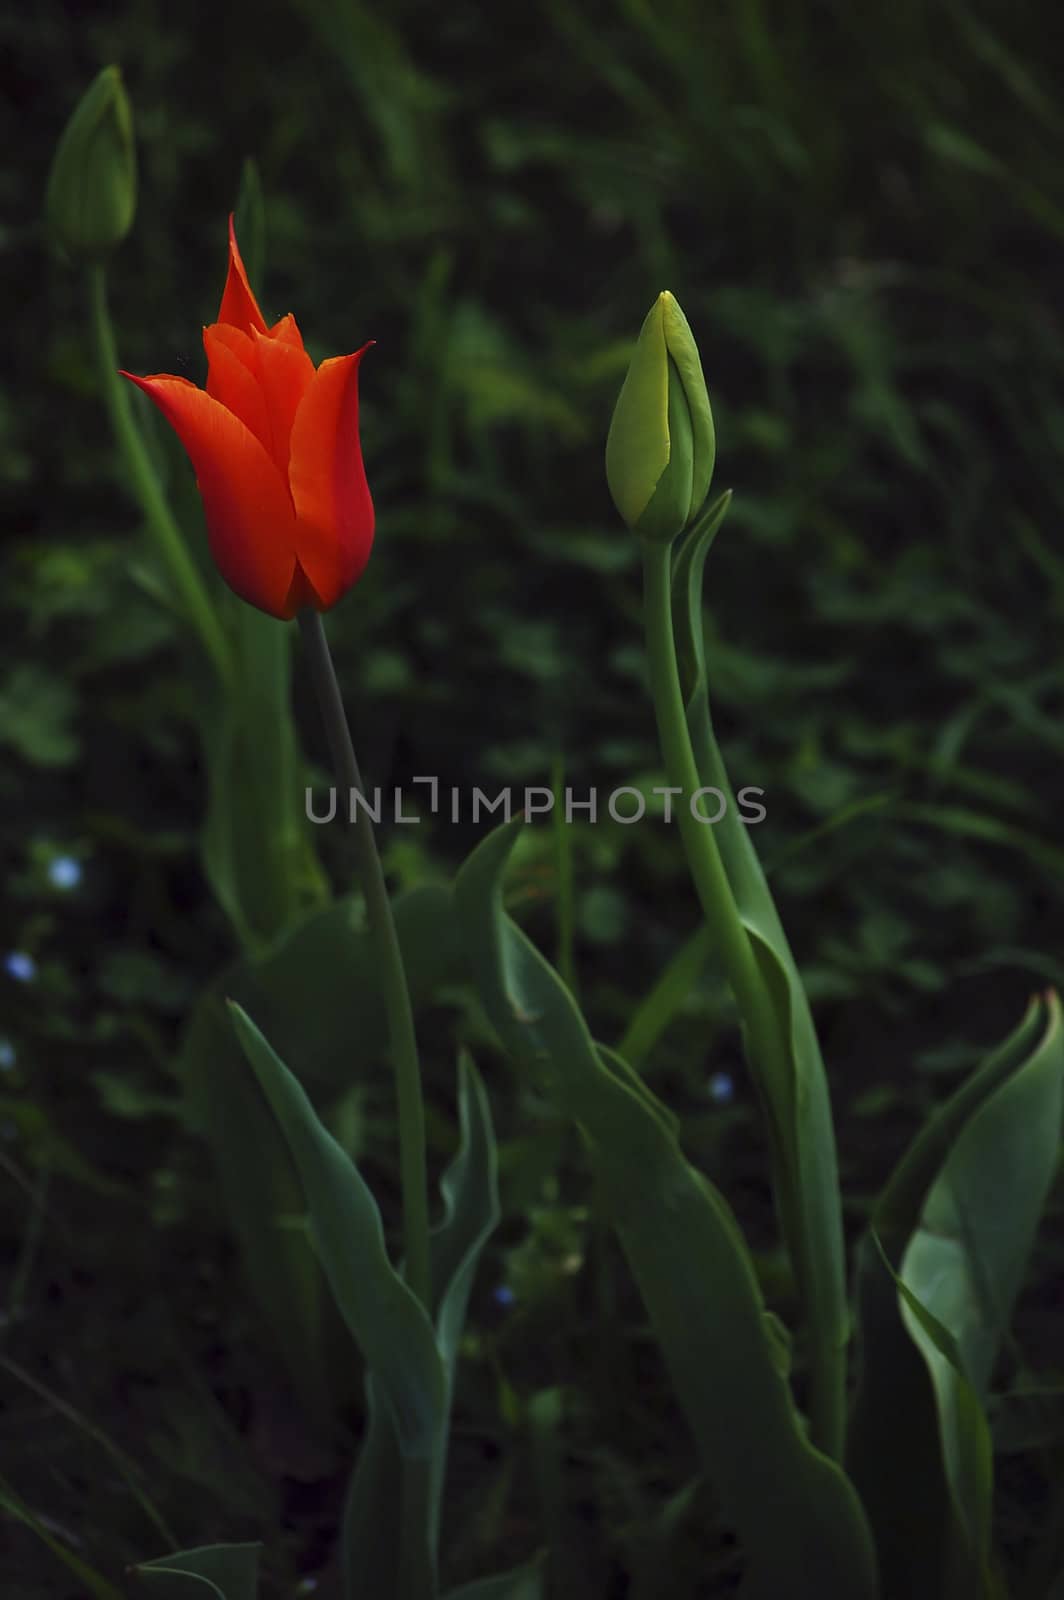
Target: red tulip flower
[277,457]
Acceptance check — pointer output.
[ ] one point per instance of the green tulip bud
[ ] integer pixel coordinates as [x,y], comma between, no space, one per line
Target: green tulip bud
[661,445]
[92,187]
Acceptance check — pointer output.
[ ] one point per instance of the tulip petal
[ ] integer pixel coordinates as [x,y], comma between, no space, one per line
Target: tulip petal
[285,372]
[287,331]
[260,380]
[232,379]
[328,480]
[250,522]
[239,306]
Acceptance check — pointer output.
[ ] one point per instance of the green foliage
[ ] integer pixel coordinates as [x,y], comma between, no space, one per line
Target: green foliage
[861,214]
[952,1231]
[392,1519]
[798,1519]
[213,1572]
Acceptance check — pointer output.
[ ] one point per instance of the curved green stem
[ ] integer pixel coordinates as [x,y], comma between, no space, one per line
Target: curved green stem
[180,568]
[703,855]
[766,1046]
[390,963]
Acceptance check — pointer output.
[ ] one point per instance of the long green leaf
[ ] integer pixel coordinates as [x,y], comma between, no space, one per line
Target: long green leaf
[313,993]
[522,1583]
[95,1584]
[799,1521]
[211,1572]
[261,1192]
[470,1188]
[316,989]
[258,849]
[966,1261]
[389,1325]
[798,1111]
[915,1400]
[372,1526]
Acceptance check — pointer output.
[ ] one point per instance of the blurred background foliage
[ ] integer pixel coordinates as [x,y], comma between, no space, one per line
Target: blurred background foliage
[861,210]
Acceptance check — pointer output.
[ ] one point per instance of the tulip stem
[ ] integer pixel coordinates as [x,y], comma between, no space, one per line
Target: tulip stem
[766,1046]
[382,931]
[144,482]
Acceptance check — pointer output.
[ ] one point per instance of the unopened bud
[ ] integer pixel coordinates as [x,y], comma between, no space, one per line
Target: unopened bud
[92,187]
[661,445]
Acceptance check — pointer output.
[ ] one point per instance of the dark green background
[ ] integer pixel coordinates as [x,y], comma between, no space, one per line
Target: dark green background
[861,211]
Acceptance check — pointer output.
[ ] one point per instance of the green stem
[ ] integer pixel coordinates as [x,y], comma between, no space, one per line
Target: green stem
[565,915]
[180,568]
[765,1044]
[703,855]
[389,957]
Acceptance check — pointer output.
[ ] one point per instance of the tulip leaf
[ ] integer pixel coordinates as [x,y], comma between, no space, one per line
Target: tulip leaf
[923,1372]
[261,1192]
[626,1074]
[211,1572]
[92,1582]
[470,1188]
[799,1107]
[371,1530]
[967,1450]
[257,846]
[313,993]
[798,1519]
[316,989]
[388,1324]
[967,1259]
[522,1583]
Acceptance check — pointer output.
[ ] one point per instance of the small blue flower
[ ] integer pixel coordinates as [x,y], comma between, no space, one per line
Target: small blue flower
[7,1055]
[20,966]
[504,1295]
[721,1088]
[64,872]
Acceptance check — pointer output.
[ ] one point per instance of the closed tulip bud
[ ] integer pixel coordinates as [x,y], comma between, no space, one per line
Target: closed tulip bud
[661,445]
[92,187]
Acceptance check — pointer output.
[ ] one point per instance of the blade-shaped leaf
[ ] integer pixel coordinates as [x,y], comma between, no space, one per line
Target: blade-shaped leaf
[94,1583]
[959,1563]
[470,1188]
[798,1110]
[313,993]
[372,1530]
[797,1516]
[261,1192]
[966,1260]
[389,1325]
[316,990]
[211,1572]
[915,1400]
[522,1583]
[258,850]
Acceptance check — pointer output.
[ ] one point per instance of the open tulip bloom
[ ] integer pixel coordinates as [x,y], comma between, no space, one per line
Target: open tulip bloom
[275,447]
